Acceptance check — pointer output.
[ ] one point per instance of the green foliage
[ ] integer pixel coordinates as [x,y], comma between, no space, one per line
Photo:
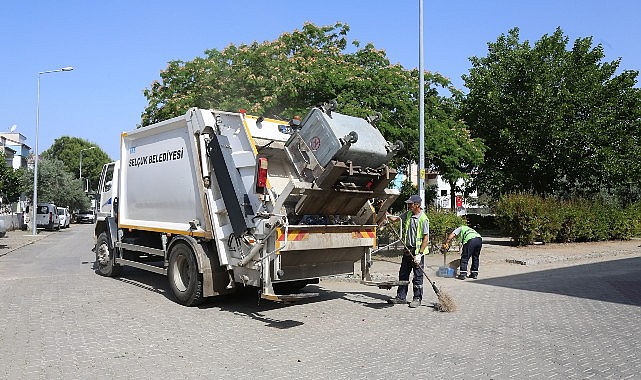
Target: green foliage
[57,185]
[527,218]
[9,181]
[595,221]
[407,190]
[442,223]
[555,121]
[634,215]
[306,67]
[451,150]
[68,150]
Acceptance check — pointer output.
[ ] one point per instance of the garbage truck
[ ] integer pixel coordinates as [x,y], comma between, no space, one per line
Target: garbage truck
[217,201]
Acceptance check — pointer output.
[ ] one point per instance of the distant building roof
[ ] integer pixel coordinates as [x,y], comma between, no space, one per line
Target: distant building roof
[15,138]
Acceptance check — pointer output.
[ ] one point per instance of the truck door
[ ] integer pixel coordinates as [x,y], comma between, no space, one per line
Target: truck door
[108,189]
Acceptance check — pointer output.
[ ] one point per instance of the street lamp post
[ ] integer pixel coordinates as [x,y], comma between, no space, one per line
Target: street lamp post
[421,108]
[35,167]
[80,174]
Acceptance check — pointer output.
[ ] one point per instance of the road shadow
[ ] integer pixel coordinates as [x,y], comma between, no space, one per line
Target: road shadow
[617,281]
[246,302]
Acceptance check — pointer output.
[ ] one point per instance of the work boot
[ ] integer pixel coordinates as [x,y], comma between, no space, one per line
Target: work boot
[396,301]
[461,276]
[474,275]
[416,302]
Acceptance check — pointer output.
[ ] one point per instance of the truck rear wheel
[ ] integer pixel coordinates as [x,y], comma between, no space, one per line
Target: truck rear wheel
[105,258]
[185,281]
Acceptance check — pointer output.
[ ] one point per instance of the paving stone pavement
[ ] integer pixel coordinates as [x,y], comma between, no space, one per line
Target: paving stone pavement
[565,318]
[16,239]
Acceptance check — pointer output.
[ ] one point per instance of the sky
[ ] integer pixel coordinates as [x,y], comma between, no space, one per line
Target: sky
[119,47]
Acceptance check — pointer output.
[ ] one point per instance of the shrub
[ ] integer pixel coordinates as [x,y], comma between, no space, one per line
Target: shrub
[634,216]
[527,218]
[442,223]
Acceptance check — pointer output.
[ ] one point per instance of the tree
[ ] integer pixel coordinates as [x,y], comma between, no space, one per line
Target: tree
[9,182]
[285,77]
[67,149]
[451,150]
[57,185]
[555,121]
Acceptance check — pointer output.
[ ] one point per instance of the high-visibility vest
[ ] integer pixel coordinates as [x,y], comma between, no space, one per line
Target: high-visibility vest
[466,234]
[422,219]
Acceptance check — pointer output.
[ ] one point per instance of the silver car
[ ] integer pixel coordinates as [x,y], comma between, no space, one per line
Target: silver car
[86,216]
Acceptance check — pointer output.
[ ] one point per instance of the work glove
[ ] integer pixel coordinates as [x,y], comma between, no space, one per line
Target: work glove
[417,259]
[445,247]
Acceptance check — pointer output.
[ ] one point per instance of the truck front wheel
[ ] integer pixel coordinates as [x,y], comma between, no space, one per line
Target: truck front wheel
[104,258]
[184,279]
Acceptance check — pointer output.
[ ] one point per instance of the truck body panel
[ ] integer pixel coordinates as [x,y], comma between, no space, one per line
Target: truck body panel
[160,171]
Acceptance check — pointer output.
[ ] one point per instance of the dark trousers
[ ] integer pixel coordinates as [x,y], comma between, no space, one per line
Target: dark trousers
[407,266]
[471,249]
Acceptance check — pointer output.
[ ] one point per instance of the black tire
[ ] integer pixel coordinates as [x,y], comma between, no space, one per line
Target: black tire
[105,258]
[184,280]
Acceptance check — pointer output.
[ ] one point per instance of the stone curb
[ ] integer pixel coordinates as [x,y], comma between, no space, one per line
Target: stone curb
[16,239]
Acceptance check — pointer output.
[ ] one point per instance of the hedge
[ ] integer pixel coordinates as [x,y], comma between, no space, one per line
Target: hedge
[527,218]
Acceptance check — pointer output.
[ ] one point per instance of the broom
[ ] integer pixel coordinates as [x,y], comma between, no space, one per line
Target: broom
[446,303]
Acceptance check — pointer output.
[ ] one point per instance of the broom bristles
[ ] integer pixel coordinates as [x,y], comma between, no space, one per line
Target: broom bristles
[446,304]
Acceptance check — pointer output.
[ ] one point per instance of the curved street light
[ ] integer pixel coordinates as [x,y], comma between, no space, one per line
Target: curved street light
[35,167]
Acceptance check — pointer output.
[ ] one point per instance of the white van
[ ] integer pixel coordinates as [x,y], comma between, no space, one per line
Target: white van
[47,216]
[65,217]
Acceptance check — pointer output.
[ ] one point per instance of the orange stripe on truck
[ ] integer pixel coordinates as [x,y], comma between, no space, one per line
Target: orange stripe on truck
[293,236]
[364,234]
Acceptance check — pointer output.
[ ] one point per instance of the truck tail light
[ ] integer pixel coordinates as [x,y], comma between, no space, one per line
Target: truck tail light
[261,175]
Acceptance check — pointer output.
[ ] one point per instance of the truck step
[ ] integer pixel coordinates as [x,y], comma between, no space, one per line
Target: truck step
[288,297]
[385,284]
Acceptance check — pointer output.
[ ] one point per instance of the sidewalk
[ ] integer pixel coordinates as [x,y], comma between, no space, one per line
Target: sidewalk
[16,239]
[500,258]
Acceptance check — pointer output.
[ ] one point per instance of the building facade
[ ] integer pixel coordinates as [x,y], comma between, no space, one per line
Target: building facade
[15,149]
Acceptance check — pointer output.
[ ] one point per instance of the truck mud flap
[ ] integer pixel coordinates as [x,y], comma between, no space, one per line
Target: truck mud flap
[385,284]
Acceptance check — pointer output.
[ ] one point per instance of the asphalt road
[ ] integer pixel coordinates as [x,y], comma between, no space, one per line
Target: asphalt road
[62,321]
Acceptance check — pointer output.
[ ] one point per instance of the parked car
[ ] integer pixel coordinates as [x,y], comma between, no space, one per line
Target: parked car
[86,216]
[47,216]
[65,217]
